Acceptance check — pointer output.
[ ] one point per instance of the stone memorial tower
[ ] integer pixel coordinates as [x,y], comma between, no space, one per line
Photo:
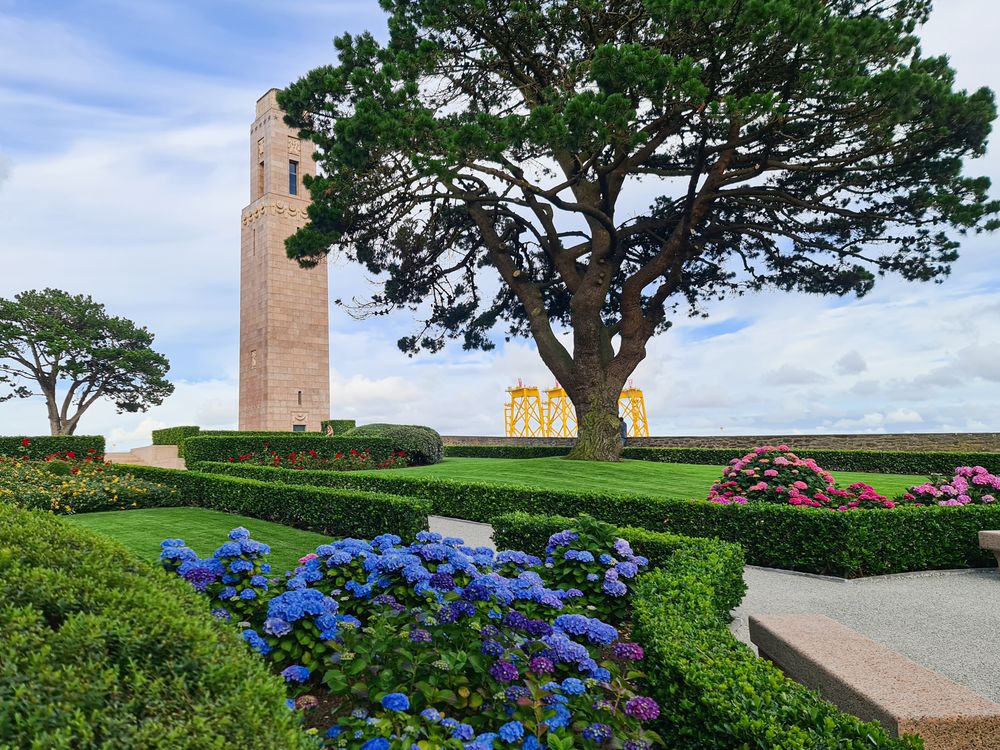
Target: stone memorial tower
[284,318]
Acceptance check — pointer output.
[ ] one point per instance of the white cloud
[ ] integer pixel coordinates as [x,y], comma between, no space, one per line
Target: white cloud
[851,363]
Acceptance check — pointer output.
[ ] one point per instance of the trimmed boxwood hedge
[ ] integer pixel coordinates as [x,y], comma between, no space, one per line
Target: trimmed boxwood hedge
[174,435]
[40,446]
[422,445]
[223,447]
[852,544]
[715,694]
[101,650]
[878,462]
[334,512]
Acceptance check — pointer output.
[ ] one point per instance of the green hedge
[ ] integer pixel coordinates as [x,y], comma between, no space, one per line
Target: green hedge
[852,544]
[878,462]
[174,435]
[714,693]
[473,501]
[100,650]
[224,447]
[505,451]
[531,533]
[333,512]
[339,426]
[422,445]
[45,445]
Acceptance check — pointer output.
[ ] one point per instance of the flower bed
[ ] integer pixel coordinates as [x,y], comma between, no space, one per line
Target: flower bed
[714,693]
[353,460]
[66,484]
[390,645]
[772,474]
[968,485]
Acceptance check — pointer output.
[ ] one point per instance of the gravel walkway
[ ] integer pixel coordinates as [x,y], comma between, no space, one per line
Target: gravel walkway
[948,621]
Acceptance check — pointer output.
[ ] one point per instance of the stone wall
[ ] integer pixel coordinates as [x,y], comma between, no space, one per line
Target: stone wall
[943,441]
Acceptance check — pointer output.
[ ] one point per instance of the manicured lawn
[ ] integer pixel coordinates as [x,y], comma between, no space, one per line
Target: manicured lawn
[203,530]
[678,481]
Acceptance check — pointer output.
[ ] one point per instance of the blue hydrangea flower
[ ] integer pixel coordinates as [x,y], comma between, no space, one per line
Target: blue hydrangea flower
[395,702]
[511,732]
[295,673]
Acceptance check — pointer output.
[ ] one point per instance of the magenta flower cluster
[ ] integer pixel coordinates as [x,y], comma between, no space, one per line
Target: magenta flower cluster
[969,485]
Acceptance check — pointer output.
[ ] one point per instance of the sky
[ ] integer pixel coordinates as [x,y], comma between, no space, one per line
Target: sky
[123,150]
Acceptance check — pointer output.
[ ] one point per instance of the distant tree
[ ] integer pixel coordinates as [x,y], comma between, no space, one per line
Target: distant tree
[802,145]
[69,350]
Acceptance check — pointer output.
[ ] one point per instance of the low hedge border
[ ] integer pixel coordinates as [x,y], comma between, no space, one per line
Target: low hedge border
[714,692]
[100,649]
[223,447]
[851,544]
[334,512]
[40,446]
[877,462]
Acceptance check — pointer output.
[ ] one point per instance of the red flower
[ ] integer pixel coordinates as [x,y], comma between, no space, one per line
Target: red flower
[26,442]
[70,454]
[230,458]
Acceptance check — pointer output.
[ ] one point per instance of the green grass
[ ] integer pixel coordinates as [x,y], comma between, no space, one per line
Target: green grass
[675,481]
[203,530]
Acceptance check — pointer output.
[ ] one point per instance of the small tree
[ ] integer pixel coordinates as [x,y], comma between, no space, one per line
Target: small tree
[794,144]
[69,350]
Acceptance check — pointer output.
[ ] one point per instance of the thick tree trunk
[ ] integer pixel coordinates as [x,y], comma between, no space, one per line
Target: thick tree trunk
[599,426]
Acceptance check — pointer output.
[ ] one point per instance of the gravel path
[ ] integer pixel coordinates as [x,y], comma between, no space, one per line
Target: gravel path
[948,621]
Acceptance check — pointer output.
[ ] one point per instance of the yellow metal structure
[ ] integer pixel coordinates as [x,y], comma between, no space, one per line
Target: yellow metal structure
[523,416]
[632,408]
[560,414]
[527,416]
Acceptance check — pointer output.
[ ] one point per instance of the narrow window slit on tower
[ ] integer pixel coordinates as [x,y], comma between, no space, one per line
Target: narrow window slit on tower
[300,398]
[293,177]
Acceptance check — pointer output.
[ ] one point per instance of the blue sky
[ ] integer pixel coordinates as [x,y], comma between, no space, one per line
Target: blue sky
[122,174]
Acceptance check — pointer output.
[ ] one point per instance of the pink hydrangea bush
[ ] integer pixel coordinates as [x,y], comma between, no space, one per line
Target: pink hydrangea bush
[970,485]
[773,474]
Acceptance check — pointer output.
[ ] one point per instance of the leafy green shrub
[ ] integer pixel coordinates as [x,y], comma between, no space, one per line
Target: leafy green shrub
[878,462]
[328,511]
[225,447]
[39,447]
[716,695]
[100,650]
[338,426]
[174,435]
[422,445]
[776,536]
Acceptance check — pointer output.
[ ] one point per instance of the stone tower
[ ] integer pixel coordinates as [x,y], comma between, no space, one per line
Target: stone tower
[284,318]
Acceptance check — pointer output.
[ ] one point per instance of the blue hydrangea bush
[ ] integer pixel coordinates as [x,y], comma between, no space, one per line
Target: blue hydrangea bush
[435,644]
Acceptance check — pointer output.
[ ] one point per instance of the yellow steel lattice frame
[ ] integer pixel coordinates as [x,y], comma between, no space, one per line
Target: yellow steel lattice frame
[632,408]
[523,416]
[527,416]
[560,414]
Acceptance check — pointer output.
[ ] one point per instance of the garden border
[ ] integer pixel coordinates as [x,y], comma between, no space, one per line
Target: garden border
[714,692]
[878,462]
[41,446]
[332,511]
[848,544]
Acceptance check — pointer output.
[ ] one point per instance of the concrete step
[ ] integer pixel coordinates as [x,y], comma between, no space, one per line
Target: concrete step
[161,456]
